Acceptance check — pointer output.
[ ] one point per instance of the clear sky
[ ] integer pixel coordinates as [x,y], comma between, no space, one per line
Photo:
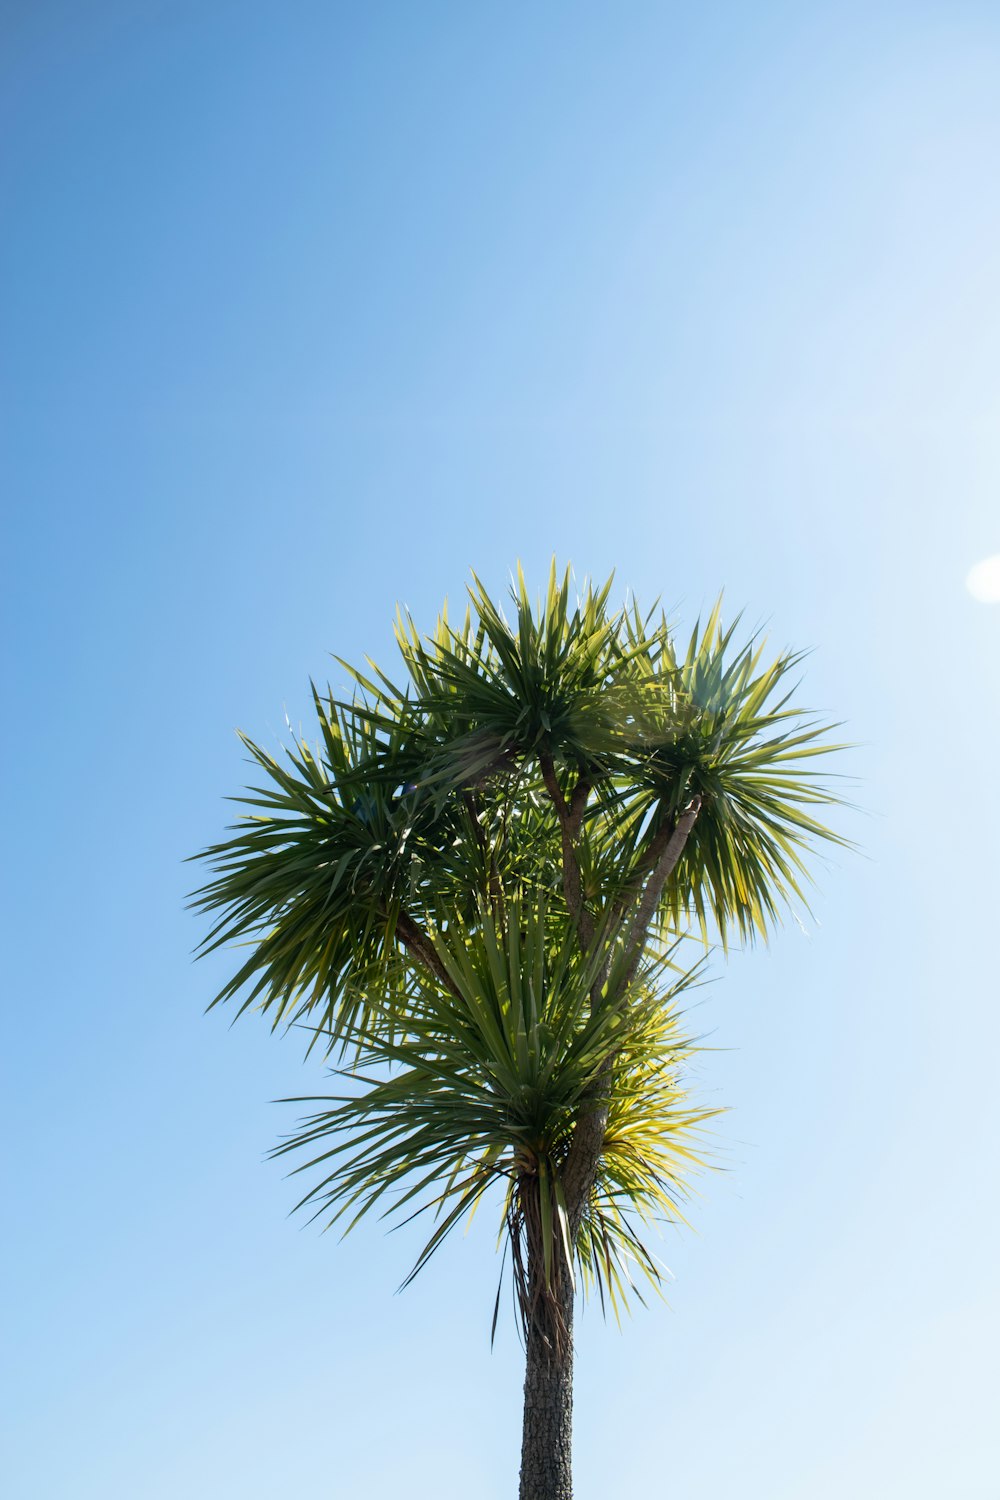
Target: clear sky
[307,310]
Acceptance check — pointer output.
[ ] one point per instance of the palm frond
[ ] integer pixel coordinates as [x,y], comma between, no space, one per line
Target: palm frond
[473,886]
[484,1086]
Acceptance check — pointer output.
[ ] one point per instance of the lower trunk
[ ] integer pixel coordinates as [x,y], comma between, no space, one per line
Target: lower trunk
[546,1446]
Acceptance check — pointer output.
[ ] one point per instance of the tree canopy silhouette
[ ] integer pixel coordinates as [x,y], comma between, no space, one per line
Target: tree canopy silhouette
[473,891]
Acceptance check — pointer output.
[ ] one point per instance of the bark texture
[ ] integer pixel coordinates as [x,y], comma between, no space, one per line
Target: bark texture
[547,1440]
[546,1446]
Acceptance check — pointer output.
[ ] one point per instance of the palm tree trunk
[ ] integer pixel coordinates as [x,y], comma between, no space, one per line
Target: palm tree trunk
[546,1446]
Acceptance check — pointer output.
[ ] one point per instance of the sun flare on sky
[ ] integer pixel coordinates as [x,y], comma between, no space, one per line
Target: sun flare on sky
[983,580]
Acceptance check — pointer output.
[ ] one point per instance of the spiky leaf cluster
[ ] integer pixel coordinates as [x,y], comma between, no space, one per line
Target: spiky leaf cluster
[472,886]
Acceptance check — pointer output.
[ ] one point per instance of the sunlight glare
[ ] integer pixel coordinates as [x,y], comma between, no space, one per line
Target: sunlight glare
[983,580]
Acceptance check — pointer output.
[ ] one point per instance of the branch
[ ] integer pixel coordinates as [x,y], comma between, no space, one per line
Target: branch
[583,1160]
[664,852]
[472,808]
[584,1157]
[420,944]
[471,800]
[570,815]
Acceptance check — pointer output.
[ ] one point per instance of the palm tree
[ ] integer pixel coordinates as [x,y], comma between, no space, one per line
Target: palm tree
[473,893]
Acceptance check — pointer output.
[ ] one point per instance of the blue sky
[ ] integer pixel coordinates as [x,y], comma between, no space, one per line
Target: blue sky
[306,311]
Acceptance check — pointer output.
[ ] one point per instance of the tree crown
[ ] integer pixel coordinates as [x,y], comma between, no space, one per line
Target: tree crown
[474,887]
